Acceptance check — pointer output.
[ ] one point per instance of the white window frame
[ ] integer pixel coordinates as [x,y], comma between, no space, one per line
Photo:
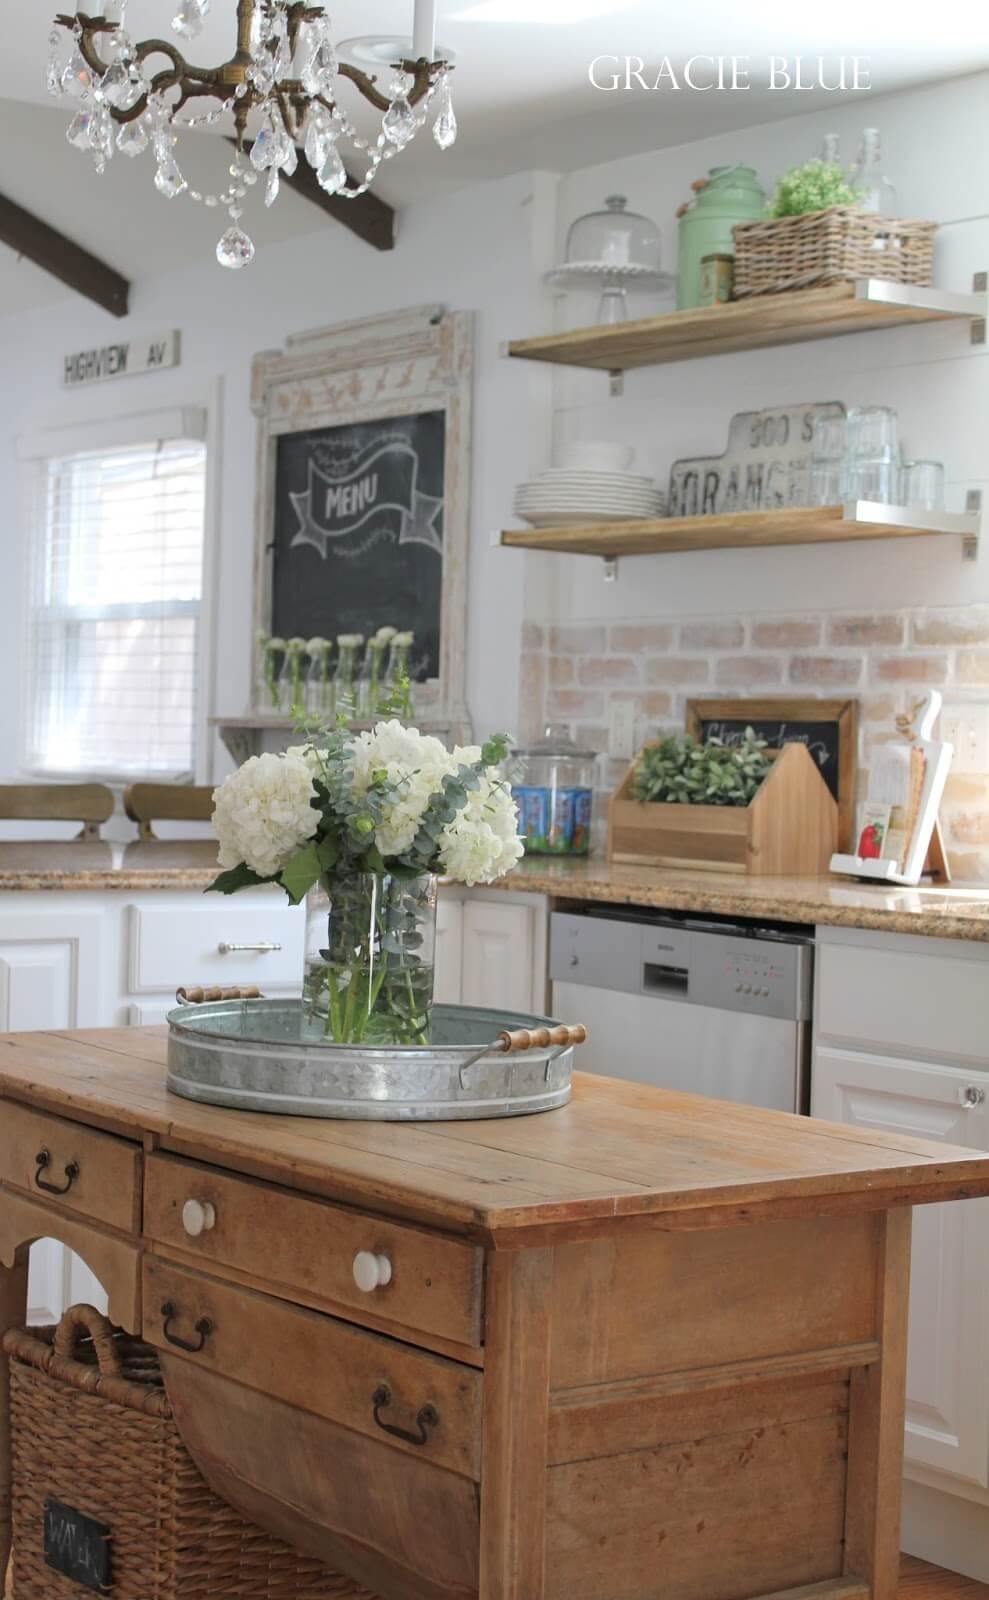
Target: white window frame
[109,432]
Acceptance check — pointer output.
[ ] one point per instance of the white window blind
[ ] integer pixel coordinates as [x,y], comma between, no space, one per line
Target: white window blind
[115,587]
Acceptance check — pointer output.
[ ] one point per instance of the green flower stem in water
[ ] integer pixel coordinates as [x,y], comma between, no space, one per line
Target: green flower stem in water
[369,958]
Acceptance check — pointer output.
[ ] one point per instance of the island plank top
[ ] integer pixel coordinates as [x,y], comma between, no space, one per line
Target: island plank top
[619,1151]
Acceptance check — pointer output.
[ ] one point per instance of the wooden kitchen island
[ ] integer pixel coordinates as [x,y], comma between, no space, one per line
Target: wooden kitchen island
[645,1346]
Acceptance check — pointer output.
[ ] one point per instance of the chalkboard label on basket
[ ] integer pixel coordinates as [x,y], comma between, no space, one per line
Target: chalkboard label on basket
[77,1546]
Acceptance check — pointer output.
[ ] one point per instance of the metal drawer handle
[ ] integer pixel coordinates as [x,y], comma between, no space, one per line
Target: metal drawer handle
[43,1161]
[264,948]
[203,1327]
[426,1417]
[971,1096]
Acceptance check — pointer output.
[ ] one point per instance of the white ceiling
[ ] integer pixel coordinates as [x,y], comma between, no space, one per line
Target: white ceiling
[521,89]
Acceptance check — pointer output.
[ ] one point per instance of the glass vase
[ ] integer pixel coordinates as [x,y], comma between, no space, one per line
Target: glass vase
[370,942]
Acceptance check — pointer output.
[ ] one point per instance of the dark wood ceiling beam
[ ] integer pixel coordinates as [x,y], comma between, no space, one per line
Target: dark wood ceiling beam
[68,262]
[372,220]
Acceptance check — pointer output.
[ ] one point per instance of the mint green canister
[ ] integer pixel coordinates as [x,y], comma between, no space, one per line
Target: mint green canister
[730,195]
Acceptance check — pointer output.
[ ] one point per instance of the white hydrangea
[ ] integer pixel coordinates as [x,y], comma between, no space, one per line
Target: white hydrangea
[416,761]
[482,842]
[263,813]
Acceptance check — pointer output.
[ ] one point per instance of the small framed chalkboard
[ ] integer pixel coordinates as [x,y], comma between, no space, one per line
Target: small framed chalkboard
[829,729]
[77,1546]
[364,491]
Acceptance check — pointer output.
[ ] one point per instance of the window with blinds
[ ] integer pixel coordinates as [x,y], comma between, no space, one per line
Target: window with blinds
[115,590]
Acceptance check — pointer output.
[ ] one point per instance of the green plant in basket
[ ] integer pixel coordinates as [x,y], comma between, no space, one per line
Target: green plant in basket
[681,771]
[816,186]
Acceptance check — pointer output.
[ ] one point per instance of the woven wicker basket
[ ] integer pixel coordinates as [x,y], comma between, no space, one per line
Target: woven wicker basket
[91,1426]
[833,246]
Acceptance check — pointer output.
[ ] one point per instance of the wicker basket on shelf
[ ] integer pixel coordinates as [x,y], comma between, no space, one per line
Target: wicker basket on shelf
[833,246]
[93,1438]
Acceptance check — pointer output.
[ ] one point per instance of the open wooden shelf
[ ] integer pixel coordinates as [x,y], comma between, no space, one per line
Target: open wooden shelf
[754,324]
[645,536]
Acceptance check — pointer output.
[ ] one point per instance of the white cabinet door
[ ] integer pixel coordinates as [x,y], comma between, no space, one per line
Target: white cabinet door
[498,955]
[449,948]
[947,1370]
[50,969]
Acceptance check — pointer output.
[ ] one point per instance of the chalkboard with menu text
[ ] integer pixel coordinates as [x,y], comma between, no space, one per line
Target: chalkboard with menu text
[827,727]
[358,531]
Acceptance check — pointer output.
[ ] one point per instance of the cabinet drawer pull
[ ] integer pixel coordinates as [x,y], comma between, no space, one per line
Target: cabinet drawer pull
[426,1417]
[371,1271]
[43,1162]
[971,1096]
[203,1327]
[198,1216]
[264,948]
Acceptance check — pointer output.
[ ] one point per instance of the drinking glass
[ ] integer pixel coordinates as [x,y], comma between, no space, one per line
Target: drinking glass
[874,478]
[922,484]
[829,438]
[872,433]
[828,483]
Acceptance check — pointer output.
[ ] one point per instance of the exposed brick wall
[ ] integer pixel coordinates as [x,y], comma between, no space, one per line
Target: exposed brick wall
[573,672]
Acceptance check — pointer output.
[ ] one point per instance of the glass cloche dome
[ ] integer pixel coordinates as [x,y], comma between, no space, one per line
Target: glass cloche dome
[617,249]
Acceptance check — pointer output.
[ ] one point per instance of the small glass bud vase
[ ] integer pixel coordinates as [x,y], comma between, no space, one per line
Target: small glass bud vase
[268,688]
[319,682]
[370,943]
[292,681]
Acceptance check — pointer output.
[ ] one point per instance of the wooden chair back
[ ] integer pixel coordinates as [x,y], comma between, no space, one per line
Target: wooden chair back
[147,803]
[88,803]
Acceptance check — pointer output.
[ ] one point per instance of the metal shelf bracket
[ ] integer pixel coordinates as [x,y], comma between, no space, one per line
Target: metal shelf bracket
[973,506]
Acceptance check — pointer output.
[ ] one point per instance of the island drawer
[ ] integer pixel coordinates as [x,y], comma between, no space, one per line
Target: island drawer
[215,943]
[411,1400]
[76,1168]
[384,1271]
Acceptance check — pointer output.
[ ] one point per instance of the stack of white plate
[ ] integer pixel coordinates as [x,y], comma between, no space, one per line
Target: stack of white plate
[564,496]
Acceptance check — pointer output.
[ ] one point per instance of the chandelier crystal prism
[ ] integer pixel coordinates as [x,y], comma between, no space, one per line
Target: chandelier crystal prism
[278,88]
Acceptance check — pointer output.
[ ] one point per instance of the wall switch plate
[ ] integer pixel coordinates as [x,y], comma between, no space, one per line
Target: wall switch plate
[621,730]
[966,726]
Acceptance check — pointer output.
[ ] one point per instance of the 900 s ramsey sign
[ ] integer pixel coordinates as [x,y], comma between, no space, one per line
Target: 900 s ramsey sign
[143,353]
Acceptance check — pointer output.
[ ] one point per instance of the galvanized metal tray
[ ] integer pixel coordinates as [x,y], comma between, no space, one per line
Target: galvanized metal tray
[267,1055]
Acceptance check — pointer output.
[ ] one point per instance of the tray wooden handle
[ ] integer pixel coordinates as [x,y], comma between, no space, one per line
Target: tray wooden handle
[196,995]
[540,1038]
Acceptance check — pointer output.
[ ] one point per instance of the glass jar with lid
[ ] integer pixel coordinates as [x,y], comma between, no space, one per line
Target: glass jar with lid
[553,787]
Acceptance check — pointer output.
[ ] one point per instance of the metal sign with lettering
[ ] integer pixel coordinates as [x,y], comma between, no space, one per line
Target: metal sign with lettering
[146,352]
[762,468]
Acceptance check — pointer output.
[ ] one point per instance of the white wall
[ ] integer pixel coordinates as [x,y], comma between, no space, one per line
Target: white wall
[471,252]
[938,383]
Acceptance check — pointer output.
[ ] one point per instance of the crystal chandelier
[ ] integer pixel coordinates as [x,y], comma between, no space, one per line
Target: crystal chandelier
[281,81]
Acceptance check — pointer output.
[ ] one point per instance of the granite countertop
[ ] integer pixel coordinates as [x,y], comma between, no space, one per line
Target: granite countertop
[961,913]
[943,913]
[97,864]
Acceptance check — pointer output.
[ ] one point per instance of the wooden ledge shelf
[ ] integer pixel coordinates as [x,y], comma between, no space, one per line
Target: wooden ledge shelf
[742,530]
[859,307]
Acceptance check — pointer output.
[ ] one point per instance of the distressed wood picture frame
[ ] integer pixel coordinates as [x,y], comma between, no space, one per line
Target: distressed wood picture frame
[399,365]
[837,719]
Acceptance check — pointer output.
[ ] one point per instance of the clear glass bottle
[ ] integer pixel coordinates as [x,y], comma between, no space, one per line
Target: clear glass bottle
[345,676]
[271,660]
[319,682]
[830,148]
[876,191]
[553,787]
[370,681]
[291,680]
[398,673]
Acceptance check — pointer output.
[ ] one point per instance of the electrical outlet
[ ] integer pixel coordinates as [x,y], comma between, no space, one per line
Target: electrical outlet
[621,730]
[966,726]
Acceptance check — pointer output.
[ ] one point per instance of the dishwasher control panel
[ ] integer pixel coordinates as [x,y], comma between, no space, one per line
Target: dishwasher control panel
[730,969]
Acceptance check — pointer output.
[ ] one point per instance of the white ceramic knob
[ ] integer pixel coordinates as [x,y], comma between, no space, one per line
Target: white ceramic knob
[198,1216]
[371,1271]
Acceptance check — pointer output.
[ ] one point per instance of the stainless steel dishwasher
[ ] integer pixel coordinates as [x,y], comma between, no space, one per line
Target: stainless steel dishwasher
[710,1007]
